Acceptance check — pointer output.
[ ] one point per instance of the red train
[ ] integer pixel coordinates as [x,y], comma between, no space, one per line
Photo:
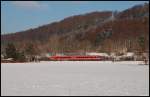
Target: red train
[77,58]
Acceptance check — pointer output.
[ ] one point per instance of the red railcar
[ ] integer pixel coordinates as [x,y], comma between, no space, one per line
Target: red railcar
[77,58]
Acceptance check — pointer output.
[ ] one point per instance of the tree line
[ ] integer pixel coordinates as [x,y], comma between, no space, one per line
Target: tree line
[30,50]
[20,55]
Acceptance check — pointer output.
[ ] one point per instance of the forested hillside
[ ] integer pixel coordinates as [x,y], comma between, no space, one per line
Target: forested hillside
[103,31]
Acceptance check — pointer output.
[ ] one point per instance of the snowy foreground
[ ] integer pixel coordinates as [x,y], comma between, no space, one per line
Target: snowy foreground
[75,78]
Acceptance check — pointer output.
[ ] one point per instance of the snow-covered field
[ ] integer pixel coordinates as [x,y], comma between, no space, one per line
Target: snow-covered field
[74,78]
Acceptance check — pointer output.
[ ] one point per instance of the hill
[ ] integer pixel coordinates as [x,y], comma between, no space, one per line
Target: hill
[104,31]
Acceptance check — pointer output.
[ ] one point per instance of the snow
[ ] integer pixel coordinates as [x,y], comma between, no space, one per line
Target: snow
[88,78]
[130,54]
[97,54]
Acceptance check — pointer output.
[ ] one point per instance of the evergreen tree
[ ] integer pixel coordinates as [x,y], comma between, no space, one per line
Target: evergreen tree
[11,51]
[141,42]
[30,50]
[21,56]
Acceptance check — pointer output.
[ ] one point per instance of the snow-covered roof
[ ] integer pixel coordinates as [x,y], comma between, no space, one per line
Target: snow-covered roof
[112,54]
[9,59]
[98,54]
[130,54]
